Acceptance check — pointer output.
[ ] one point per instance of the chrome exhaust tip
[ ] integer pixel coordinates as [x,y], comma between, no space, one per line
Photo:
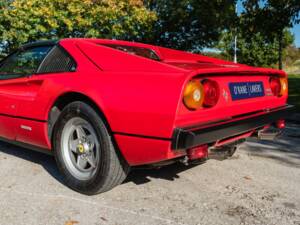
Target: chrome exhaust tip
[269,134]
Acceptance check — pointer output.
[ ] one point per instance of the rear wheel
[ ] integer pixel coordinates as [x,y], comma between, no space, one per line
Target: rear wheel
[84,151]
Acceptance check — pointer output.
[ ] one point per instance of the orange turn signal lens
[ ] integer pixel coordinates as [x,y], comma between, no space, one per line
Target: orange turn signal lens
[279,86]
[284,86]
[193,95]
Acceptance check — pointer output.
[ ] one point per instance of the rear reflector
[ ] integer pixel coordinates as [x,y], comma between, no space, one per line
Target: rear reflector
[280,124]
[198,152]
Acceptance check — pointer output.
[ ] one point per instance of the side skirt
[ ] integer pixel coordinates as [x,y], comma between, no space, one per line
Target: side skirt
[28,146]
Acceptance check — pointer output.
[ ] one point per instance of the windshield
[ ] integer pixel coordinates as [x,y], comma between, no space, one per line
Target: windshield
[143,52]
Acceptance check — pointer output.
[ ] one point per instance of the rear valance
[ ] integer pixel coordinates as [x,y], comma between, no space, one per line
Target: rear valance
[184,138]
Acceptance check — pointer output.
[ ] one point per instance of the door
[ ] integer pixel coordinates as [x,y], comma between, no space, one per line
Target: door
[15,72]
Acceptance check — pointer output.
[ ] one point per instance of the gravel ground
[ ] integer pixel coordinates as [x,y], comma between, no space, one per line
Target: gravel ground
[259,185]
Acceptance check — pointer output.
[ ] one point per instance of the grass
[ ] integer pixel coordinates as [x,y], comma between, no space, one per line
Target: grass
[294,91]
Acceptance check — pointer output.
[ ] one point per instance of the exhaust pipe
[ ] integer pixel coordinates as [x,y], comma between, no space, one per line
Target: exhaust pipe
[224,151]
[269,134]
[221,153]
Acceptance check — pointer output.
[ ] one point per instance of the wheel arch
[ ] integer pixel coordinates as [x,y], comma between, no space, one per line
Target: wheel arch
[62,101]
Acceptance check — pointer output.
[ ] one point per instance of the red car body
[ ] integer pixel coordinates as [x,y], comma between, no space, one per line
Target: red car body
[141,100]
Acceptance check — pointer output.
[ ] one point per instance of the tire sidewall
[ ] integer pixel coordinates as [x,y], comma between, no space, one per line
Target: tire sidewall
[82,110]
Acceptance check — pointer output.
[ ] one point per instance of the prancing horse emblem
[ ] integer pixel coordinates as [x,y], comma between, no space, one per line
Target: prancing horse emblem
[225,95]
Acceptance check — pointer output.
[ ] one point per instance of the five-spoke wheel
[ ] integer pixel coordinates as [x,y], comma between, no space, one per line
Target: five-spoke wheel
[80,148]
[84,151]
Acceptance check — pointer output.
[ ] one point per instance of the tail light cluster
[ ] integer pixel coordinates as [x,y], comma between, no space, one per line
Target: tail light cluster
[206,93]
[197,94]
[279,86]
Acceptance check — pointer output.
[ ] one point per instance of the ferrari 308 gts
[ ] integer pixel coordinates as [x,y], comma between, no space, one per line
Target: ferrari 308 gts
[102,107]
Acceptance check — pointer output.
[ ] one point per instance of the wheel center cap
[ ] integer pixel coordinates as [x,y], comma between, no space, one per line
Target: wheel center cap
[82,148]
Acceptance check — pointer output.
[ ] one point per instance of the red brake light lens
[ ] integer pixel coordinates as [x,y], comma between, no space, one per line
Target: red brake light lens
[275,85]
[211,93]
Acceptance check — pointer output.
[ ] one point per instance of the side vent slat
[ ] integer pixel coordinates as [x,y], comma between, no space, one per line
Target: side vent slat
[57,61]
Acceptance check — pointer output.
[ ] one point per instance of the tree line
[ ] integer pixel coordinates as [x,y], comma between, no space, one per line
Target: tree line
[192,25]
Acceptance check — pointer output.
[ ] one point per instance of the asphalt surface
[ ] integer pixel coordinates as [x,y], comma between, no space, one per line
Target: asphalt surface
[259,185]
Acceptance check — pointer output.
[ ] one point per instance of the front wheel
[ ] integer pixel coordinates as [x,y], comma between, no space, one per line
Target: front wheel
[84,151]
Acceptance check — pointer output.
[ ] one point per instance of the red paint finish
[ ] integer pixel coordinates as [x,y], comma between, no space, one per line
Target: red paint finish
[7,127]
[226,107]
[140,98]
[230,140]
[139,151]
[32,132]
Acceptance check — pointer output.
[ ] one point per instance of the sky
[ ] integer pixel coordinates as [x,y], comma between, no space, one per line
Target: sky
[295,30]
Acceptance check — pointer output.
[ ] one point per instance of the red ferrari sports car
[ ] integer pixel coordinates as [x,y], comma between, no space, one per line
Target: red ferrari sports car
[103,106]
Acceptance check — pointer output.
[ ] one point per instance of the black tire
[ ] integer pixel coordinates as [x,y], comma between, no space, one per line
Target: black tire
[232,150]
[111,169]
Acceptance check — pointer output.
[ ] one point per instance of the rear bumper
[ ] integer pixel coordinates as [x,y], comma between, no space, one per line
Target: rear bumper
[184,138]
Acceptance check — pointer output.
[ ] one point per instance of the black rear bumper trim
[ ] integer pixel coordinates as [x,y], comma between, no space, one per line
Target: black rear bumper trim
[187,138]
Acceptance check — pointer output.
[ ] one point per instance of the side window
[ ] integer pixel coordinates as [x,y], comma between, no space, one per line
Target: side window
[57,61]
[23,62]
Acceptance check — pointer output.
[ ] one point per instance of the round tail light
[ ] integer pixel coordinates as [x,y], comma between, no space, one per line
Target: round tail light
[193,95]
[278,86]
[275,86]
[211,93]
[284,86]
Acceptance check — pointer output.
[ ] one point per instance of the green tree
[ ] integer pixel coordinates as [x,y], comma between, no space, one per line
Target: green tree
[255,50]
[3,5]
[270,18]
[190,24]
[292,56]
[29,20]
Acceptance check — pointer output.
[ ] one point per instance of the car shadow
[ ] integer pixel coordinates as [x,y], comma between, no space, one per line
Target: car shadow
[171,172]
[137,175]
[46,161]
[285,150]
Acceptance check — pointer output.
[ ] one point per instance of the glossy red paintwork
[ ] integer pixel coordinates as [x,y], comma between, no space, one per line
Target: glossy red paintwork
[139,150]
[140,98]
